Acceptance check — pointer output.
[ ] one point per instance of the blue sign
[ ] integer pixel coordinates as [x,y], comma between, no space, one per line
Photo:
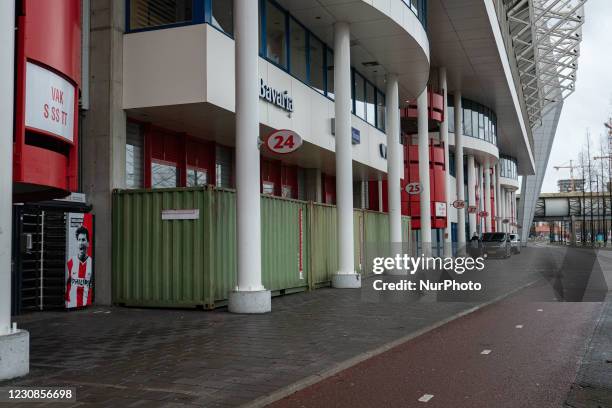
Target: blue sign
[355,136]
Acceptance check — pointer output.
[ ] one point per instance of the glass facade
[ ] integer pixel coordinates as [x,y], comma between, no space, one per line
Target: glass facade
[284,41]
[478,120]
[508,167]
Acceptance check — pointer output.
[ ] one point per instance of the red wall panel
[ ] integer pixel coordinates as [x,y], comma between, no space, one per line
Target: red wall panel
[48,35]
[437,184]
[53,35]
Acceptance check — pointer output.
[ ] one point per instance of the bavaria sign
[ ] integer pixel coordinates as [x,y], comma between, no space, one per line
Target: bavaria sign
[283,141]
[275,97]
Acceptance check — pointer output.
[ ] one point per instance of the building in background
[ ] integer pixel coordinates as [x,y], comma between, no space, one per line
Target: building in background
[570,185]
[415,120]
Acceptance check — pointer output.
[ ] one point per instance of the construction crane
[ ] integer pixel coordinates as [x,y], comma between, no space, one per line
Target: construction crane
[571,167]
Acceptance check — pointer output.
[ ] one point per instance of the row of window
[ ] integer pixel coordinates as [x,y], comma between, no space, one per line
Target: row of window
[508,167]
[285,42]
[146,14]
[478,120]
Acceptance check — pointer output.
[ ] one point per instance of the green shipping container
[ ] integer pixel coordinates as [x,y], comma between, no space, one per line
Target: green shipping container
[192,262]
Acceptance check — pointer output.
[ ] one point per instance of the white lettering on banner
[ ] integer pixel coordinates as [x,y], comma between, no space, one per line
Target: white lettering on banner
[49,102]
[278,98]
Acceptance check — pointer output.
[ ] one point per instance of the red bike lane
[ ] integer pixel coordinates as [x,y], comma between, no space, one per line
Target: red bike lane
[515,353]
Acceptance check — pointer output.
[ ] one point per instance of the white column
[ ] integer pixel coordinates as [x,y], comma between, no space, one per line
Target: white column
[249,296]
[459,170]
[7,82]
[346,277]
[487,195]
[14,344]
[394,159]
[448,239]
[364,192]
[498,199]
[513,206]
[503,208]
[471,193]
[425,203]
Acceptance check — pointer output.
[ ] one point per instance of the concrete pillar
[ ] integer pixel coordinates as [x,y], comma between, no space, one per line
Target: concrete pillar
[487,195]
[471,169]
[14,344]
[425,203]
[448,239]
[104,127]
[394,159]
[346,277]
[249,295]
[364,193]
[497,199]
[459,171]
[513,206]
[503,209]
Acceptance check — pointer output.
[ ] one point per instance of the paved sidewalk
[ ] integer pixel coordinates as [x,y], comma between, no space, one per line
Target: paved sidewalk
[593,386]
[119,357]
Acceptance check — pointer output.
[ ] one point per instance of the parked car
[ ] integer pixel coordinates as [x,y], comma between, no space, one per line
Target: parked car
[496,244]
[515,243]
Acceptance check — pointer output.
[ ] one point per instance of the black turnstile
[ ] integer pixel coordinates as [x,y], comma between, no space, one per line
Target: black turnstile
[39,255]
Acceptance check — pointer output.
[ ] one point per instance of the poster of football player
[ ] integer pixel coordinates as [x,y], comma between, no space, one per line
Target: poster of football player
[79,264]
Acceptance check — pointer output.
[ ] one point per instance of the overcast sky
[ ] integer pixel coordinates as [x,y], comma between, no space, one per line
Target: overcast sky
[591,104]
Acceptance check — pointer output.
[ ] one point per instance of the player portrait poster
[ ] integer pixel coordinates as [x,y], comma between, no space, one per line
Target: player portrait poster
[79,260]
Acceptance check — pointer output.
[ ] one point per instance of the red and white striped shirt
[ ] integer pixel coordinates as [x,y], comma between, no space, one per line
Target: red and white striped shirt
[78,285]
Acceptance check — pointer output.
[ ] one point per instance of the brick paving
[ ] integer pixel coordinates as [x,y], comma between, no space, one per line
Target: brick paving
[128,357]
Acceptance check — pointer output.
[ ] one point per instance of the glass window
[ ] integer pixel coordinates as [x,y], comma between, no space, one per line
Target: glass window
[286,191]
[297,44]
[380,110]
[370,104]
[276,39]
[223,166]
[330,73]
[134,156]
[196,177]
[155,13]
[474,122]
[317,69]
[481,131]
[163,175]
[487,128]
[450,115]
[223,15]
[451,163]
[467,121]
[359,95]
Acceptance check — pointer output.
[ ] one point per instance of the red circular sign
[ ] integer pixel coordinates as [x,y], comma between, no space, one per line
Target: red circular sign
[483,214]
[283,141]
[472,209]
[459,204]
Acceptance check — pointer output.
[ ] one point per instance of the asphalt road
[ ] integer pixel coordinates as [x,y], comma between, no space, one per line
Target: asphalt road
[534,351]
